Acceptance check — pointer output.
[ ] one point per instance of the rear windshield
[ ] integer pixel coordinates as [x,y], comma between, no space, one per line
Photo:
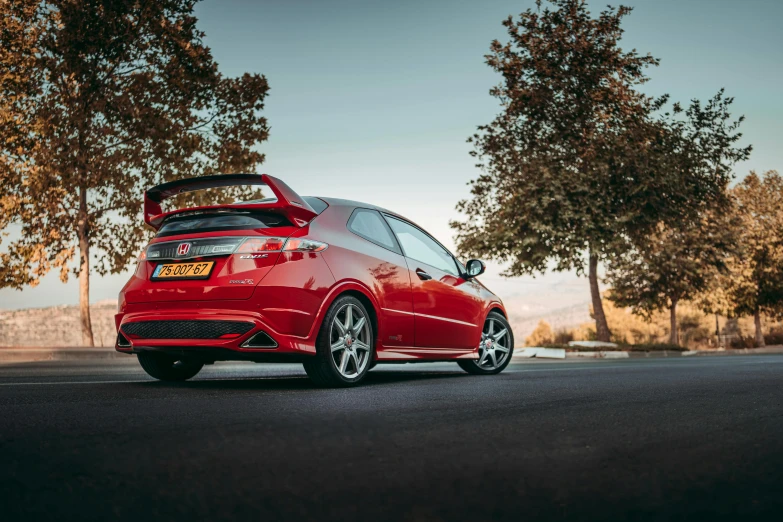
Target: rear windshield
[188,224]
[317,204]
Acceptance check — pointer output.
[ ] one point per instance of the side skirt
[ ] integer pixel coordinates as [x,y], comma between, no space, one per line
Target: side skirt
[400,354]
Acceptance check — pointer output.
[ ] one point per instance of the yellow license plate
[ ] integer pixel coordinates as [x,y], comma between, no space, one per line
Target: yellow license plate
[183,271]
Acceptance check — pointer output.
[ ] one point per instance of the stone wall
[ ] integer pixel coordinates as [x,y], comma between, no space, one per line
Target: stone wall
[56,325]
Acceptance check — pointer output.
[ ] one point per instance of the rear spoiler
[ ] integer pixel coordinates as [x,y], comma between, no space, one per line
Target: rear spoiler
[288,203]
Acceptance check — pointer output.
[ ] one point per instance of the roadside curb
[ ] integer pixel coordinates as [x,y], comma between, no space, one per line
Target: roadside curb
[561,353]
[626,354]
[540,353]
[672,353]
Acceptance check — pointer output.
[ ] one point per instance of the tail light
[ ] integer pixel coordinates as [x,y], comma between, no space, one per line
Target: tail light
[304,245]
[141,266]
[253,245]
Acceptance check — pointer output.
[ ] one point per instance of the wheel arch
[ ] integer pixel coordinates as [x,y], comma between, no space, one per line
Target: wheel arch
[495,307]
[368,305]
[359,292]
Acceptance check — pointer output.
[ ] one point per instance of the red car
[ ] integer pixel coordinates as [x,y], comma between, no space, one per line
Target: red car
[336,285]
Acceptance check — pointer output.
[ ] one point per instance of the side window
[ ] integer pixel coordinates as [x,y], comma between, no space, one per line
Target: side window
[421,247]
[370,225]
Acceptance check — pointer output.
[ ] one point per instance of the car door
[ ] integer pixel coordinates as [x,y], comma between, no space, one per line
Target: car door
[375,258]
[447,308]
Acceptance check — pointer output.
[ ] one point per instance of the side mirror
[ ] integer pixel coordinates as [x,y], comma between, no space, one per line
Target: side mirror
[475,268]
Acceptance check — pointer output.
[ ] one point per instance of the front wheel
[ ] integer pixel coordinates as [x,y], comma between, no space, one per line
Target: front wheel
[495,349]
[167,368]
[344,349]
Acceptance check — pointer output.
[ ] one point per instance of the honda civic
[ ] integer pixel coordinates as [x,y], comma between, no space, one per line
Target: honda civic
[336,285]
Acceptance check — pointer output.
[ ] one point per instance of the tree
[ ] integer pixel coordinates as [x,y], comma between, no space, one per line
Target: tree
[542,335]
[755,283]
[102,99]
[579,162]
[671,265]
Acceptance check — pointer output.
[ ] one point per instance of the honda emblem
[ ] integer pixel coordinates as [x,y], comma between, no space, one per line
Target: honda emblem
[183,249]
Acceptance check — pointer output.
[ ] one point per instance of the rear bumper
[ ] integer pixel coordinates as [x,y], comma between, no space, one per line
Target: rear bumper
[289,347]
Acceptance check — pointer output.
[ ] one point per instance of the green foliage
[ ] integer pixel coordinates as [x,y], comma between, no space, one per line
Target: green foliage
[562,159]
[563,336]
[775,337]
[118,96]
[755,282]
[579,163]
[673,263]
[100,100]
[743,342]
[541,336]
[626,327]
[697,329]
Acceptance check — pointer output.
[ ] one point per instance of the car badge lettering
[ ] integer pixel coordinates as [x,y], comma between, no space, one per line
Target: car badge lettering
[253,256]
[183,249]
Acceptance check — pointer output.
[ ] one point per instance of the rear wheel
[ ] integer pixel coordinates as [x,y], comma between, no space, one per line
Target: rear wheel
[344,348]
[167,368]
[495,349]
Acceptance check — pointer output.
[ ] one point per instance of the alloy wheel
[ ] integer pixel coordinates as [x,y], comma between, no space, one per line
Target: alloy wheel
[349,338]
[494,347]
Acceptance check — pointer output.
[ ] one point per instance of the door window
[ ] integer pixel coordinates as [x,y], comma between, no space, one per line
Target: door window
[421,247]
[370,225]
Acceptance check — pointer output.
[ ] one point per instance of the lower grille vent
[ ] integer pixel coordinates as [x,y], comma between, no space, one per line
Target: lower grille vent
[185,329]
[260,340]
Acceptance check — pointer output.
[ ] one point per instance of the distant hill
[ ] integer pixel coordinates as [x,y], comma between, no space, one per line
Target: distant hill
[56,325]
[523,320]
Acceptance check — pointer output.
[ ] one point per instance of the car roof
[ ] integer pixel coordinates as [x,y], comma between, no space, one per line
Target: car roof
[337,202]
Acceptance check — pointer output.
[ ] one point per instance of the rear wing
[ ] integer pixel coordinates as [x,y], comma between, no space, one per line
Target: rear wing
[288,203]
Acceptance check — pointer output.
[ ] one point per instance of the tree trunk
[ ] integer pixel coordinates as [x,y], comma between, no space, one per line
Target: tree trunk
[717,331]
[601,326]
[759,334]
[84,272]
[674,335]
[717,326]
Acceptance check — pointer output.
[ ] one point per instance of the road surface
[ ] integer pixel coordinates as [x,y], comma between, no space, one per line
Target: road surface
[640,439]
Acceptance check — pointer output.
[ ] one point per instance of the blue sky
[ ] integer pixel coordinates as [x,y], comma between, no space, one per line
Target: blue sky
[373,100]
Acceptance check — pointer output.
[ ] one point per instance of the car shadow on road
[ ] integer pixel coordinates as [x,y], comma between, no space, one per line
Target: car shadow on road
[299,382]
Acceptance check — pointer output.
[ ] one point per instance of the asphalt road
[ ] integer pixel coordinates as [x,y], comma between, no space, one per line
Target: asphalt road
[650,439]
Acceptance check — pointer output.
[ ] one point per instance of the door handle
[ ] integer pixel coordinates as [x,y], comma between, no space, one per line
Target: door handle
[424,276]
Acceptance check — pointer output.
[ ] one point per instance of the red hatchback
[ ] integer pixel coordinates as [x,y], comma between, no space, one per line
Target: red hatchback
[337,285]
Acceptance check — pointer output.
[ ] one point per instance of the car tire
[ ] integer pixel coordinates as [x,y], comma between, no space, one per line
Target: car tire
[349,339]
[167,368]
[498,330]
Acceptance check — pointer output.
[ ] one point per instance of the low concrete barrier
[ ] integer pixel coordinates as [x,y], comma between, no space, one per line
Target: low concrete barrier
[592,344]
[541,353]
[600,355]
